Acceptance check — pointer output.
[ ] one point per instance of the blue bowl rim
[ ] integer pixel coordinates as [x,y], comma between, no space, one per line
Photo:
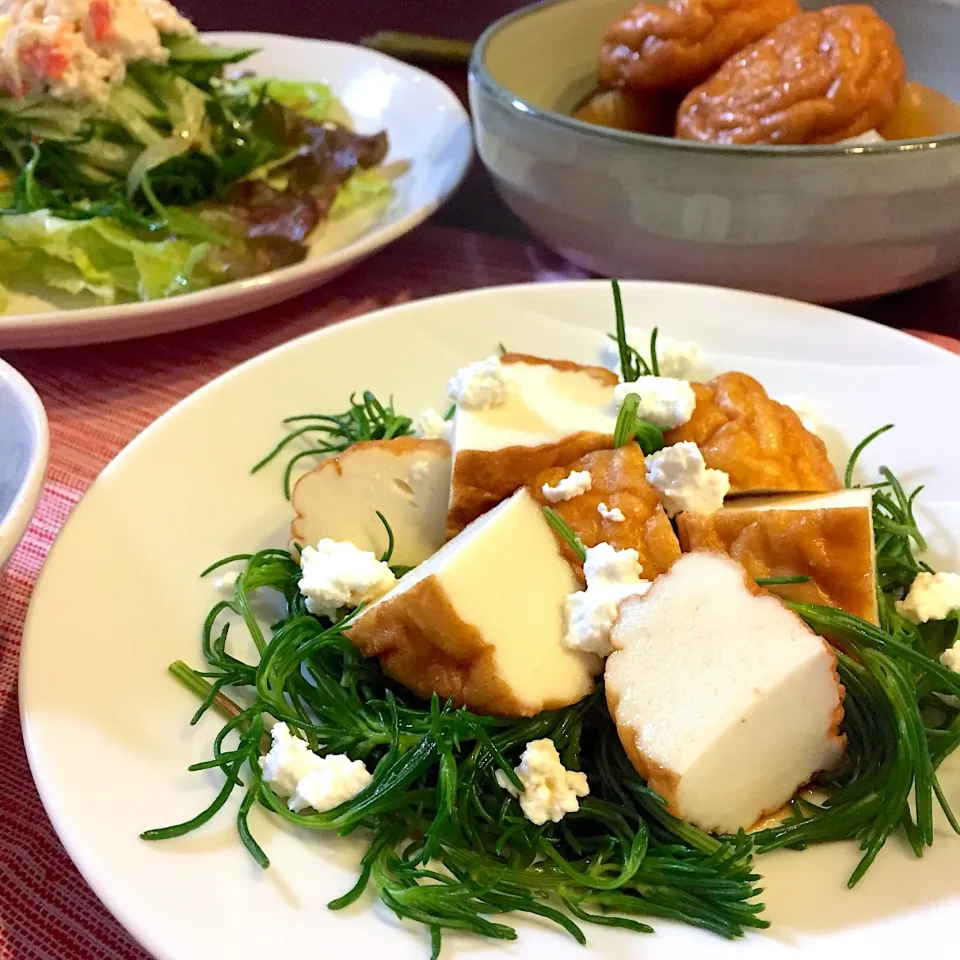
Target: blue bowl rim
[479,74]
[19,513]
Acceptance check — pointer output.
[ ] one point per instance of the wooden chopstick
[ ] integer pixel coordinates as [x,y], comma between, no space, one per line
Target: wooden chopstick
[417,48]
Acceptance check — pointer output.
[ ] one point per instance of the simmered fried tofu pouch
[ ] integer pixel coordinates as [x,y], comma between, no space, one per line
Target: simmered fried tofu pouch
[759,443]
[620,508]
[555,411]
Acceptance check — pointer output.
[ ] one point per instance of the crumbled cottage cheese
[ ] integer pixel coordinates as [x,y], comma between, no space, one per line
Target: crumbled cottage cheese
[430,425]
[227,581]
[932,596]
[805,410]
[479,386]
[684,482]
[575,483]
[950,658]
[675,358]
[612,575]
[334,780]
[614,514]
[664,401]
[77,49]
[293,770]
[335,575]
[550,791]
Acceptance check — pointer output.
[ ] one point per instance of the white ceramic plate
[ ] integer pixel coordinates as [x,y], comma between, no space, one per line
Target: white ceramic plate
[119,599]
[428,129]
[24,447]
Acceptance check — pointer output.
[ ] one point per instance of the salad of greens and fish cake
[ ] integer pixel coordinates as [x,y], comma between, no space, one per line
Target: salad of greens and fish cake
[585,646]
[138,161]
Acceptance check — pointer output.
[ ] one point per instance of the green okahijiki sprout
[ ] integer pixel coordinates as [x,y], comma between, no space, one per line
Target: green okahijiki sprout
[632,364]
[566,533]
[366,419]
[449,848]
[631,427]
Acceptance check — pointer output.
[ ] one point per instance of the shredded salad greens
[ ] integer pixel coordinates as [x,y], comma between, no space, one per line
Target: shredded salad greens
[185,178]
[449,849]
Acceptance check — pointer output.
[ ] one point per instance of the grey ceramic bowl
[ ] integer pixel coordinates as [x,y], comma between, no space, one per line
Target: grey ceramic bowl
[825,224]
[24,447]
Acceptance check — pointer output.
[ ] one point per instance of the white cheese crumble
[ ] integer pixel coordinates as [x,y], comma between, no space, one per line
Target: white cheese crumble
[336,574]
[287,761]
[480,385]
[334,780]
[550,790]
[293,770]
[227,581]
[684,482]
[664,401]
[932,596]
[572,485]
[612,575]
[430,425]
[675,358]
[614,514]
[805,410]
[950,657]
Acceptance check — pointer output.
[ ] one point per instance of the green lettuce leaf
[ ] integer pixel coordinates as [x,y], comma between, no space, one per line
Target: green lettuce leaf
[313,100]
[365,188]
[98,257]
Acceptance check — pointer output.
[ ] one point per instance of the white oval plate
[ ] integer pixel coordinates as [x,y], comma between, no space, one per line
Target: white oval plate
[119,599]
[24,448]
[427,128]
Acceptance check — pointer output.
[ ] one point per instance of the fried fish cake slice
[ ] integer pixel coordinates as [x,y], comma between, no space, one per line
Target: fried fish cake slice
[826,537]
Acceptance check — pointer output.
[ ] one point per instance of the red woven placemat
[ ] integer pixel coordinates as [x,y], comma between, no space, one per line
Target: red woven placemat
[100,398]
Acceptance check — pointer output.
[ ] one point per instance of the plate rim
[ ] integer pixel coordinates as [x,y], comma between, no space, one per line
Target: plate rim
[94,317]
[86,865]
[934,350]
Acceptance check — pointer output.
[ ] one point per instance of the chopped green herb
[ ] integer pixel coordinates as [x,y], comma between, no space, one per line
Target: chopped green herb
[368,419]
[630,427]
[654,364]
[565,532]
[649,437]
[626,418]
[632,364]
